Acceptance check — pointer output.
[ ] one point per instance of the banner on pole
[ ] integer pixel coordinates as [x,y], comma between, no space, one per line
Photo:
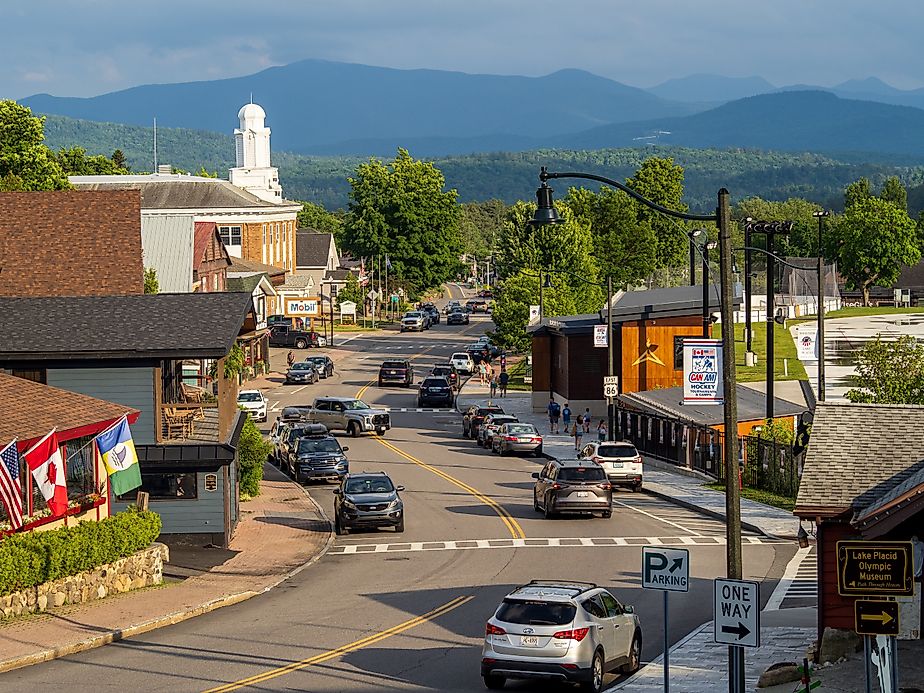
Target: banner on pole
[533,315]
[807,342]
[600,336]
[702,371]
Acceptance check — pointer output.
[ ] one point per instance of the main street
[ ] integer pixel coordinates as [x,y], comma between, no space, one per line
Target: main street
[388,612]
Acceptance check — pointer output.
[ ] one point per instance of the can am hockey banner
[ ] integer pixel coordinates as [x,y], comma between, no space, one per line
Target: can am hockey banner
[702,371]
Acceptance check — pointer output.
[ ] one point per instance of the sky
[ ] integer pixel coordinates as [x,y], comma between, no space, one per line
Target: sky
[89,47]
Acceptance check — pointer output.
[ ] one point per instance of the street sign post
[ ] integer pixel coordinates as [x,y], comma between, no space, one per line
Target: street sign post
[600,336]
[610,386]
[874,617]
[875,569]
[667,570]
[736,619]
[611,380]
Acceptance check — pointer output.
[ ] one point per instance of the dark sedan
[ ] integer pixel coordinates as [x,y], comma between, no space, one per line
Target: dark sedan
[302,373]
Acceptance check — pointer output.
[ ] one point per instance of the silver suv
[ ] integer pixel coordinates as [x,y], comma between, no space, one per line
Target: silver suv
[561,631]
[572,486]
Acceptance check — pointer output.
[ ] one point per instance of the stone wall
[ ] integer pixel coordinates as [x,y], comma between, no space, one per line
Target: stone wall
[141,569]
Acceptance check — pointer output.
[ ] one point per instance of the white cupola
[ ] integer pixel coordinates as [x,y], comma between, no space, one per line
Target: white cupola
[254,171]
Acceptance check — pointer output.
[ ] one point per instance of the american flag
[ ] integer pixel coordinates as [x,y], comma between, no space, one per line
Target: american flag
[10,488]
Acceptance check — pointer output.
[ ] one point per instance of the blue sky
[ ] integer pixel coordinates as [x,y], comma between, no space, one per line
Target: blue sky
[88,47]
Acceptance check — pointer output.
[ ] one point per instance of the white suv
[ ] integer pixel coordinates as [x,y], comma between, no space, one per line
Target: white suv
[620,460]
[463,362]
[560,631]
[254,403]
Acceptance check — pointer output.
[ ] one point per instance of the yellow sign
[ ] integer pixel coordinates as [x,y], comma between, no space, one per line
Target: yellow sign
[648,356]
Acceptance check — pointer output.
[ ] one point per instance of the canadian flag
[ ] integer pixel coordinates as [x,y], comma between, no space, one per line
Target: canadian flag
[47,467]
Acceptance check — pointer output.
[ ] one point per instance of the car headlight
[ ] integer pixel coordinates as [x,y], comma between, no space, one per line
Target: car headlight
[394,505]
[349,504]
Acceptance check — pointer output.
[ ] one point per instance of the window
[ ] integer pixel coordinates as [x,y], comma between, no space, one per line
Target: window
[215,282]
[536,613]
[594,473]
[612,606]
[165,486]
[230,235]
[593,607]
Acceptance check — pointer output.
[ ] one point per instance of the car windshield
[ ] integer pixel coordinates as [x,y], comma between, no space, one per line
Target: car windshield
[484,411]
[316,359]
[303,366]
[356,404]
[617,451]
[460,355]
[521,428]
[498,420]
[308,445]
[594,473]
[249,397]
[377,485]
[393,364]
[412,315]
[441,371]
[435,382]
[534,613]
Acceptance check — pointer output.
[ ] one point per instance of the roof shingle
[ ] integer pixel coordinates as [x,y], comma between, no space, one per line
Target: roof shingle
[312,248]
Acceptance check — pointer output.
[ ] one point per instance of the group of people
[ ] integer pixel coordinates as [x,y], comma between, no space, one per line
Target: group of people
[497,381]
[578,427]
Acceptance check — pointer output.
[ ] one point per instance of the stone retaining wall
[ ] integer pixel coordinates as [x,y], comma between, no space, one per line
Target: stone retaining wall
[141,569]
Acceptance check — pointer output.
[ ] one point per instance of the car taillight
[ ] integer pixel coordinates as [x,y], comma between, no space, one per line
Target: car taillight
[595,459]
[576,634]
[638,460]
[606,486]
[555,487]
[510,439]
[491,629]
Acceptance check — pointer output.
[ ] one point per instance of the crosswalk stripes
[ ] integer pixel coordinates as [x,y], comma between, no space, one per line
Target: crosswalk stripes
[799,583]
[675,516]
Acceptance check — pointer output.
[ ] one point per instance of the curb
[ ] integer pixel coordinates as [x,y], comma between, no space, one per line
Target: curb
[171,618]
[705,511]
[660,658]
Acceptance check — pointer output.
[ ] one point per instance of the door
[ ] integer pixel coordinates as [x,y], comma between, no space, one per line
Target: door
[606,635]
[621,624]
[321,413]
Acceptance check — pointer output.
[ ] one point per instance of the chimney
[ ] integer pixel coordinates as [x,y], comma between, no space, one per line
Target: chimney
[165,169]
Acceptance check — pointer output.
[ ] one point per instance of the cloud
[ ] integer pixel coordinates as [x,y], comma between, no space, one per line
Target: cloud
[85,47]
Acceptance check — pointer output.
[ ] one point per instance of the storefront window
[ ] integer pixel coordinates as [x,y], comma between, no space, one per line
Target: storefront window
[166,486]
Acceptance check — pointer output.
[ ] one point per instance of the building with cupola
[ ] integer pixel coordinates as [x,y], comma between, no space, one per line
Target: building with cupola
[254,171]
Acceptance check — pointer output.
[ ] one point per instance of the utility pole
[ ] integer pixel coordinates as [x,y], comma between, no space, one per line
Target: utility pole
[707,321]
[820,338]
[748,351]
[693,264]
[771,322]
[611,406]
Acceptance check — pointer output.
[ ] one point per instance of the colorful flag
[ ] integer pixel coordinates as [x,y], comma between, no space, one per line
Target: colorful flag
[117,449]
[46,463]
[363,279]
[387,262]
[10,487]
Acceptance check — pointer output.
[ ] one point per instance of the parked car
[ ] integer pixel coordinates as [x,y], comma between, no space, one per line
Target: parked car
[294,323]
[473,417]
[351,415]
[448,371]
[462,361]
[561,631]
[489,426]
[254,403]
[398,372]
[620,460]
[517,437]
[415,321]
[434,390]
[369,499]
[285,438]
[301,373]
[457,317]
[572,486]
[323,364]
[316,455]
[284,336]
[479,352]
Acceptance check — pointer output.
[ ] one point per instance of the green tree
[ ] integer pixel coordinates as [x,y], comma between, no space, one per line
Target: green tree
[802,241]
[400,209]
[661,180]
[352,291]
[253,451]
[118,159]
[151,285]
[480,226]
[25,162]
[314,216]
[893,191]
[890,372]
[871,242]
[857,191]
[516,294]
[74,161]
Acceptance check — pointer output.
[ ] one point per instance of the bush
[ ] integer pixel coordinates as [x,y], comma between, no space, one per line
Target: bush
[31,558]
[252,453]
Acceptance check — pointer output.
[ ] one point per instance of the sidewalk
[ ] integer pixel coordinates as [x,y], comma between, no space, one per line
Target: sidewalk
[280,533]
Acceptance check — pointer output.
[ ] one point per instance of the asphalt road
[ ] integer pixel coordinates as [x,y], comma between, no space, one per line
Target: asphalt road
[387,612]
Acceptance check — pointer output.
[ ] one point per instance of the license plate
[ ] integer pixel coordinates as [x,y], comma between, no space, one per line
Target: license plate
[529,641]
[617,465]
[583,494]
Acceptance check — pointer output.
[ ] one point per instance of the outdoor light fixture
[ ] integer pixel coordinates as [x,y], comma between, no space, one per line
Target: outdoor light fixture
[802,536]
[545,208]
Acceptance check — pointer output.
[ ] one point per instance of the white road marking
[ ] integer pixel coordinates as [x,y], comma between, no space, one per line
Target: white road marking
[798,581]
[297,390]
[549,542]
[275,406]
[341,342]
[655,517]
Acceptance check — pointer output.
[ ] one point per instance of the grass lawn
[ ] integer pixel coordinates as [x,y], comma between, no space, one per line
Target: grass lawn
[517,370]
[356,328]
[784,346]
[765,497]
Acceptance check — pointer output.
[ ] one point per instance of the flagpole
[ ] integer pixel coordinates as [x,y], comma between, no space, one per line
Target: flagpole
[388,305]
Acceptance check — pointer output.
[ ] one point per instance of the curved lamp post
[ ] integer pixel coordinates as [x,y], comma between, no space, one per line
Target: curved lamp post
[546,214]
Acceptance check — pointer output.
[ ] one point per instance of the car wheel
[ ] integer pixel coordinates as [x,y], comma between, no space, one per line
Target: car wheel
[595,684]
[537,452]
[636,488]
[300,344]
[547,510]
[503,452]
[607,514]
[380,431]
[381,384]
[493,682]
[399,528]
[635,655]
[536,503]
[339,528]
[353,429]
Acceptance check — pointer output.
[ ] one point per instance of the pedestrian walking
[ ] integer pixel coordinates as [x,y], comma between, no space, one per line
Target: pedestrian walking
[493,387]
[577,430]
[587,420]
[503,361]
[601,430]
[290,359]
[503,379]
[566,416]
[554,410]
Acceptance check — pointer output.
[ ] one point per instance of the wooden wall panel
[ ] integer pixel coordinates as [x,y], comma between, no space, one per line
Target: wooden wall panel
[648,352]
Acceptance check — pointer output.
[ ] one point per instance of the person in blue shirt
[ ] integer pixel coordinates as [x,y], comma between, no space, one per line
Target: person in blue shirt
[566,416]
[554,410]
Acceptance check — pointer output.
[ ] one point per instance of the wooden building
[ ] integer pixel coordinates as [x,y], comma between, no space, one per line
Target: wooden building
[863,478]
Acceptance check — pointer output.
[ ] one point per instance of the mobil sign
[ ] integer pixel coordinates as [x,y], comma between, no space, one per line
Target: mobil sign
[702,371]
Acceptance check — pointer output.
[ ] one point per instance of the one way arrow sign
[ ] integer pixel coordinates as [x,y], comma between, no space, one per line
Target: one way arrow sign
[737,613]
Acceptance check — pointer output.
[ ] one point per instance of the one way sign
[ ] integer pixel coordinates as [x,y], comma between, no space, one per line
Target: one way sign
[665,569]
[737,613]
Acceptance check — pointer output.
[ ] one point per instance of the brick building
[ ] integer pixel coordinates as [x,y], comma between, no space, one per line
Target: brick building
[52,243]
[210,260]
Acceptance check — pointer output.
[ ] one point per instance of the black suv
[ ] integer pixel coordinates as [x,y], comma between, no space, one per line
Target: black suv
[448,371]
[434,390]
[397,372]
[315,454]
[473,417]
[368,500]
[572,486]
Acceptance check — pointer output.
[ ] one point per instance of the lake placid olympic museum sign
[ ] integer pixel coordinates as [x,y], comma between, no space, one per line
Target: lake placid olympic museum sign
[303,307]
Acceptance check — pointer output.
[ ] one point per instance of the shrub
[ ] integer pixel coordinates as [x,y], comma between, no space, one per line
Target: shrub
[31,558]
[252,453]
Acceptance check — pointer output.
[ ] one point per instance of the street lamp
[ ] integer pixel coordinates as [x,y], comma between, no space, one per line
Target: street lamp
[820,339]
[546,213]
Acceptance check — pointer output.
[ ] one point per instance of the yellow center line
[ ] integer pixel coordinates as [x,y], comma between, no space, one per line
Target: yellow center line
[344,649]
